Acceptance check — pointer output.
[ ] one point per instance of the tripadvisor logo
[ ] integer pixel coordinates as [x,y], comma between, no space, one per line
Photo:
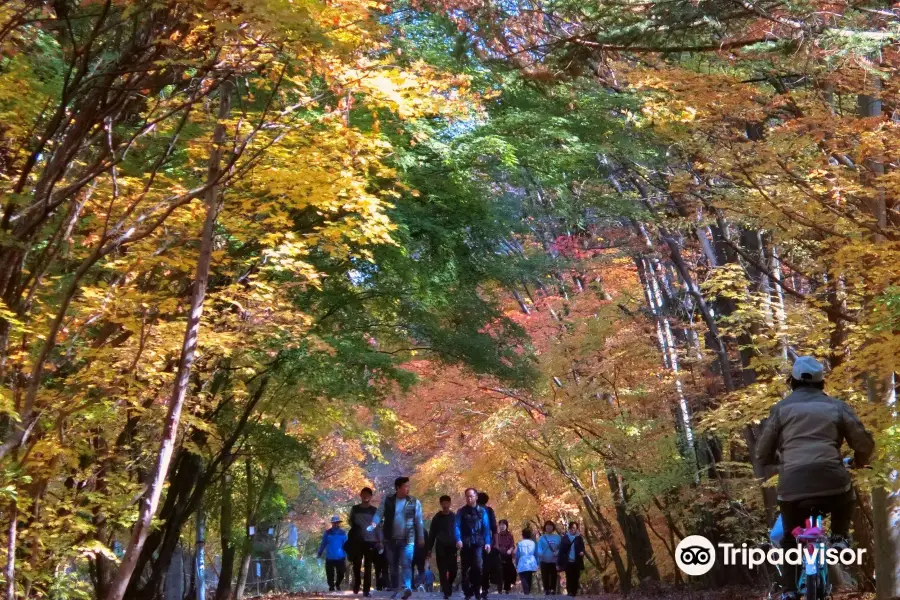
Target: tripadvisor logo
[696,555]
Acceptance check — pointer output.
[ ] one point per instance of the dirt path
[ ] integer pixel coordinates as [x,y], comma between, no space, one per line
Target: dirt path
[736,593]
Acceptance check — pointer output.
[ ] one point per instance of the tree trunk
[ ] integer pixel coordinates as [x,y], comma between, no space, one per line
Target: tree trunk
[11,551]
[200,555]
[881,388]
[634,529]
[226,522]
[150,499]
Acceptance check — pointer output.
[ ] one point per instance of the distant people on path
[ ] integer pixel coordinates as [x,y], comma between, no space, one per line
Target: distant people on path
[442,542]
[571,558]
[429,578]
[332,547]
[491,570]
[526,560]
[548,551]
[473,538]
[505,546]
[363,542]
[400,518]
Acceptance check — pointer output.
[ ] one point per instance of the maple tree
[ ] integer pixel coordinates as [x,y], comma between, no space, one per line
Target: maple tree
[562,252]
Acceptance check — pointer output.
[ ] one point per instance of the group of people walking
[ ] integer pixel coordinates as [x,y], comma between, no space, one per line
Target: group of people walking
[469,543]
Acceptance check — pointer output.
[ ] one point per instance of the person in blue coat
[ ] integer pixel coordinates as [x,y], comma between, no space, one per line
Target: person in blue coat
[473,538]
[548,554]
[332,547]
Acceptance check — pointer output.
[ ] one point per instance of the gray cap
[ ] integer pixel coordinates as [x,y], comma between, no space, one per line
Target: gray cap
[806,368]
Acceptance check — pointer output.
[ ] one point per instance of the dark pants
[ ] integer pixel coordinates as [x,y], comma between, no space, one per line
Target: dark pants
[334,572]
[549,577]
[472,559]
[573,575]
[507,573]
[446,564]
[366,555]
[381,572]
[490,570]
[525,578]
[794,514]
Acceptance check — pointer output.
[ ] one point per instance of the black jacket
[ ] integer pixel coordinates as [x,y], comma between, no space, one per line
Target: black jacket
[442,531]
[562,560]
[492,519]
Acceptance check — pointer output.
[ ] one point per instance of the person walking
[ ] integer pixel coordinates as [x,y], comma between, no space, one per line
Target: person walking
[429,578]
[442,541]
[491,570]
[526,560]
[473,539]
[332,547]
[506,545]
[547,552]
[400,518]
[571,558]
[363,542]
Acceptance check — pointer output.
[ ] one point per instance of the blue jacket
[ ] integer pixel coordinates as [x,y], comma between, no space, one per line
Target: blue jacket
[333,544]
[473,535]
[548,547]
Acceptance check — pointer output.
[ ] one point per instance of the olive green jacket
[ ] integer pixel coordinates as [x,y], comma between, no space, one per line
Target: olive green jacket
[807,428]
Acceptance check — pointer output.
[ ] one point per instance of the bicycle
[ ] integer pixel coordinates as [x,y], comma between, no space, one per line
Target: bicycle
[813,582]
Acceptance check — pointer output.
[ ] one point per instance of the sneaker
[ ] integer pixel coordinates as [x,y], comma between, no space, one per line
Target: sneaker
[789,596]
[406,594]
[330,589]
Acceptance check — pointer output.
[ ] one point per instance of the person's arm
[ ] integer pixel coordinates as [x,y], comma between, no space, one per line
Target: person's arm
[429,541]
[456,530]
[379,514]
[322,545]
[486,521]
[420,525]
[767,444]
[857,436]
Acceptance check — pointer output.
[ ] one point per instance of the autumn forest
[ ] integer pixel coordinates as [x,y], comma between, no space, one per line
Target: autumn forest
[257,254]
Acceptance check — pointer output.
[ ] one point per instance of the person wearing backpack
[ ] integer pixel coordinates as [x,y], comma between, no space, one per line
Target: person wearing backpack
[526,561]
[402,529]
[473,539]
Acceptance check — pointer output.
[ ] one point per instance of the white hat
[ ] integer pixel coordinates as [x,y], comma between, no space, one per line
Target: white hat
[335,519]
[806,368]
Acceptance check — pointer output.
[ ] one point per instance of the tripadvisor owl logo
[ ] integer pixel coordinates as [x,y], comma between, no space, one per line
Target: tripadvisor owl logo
[695,555]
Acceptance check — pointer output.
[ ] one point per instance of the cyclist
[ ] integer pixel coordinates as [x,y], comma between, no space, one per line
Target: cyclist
[808,428]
